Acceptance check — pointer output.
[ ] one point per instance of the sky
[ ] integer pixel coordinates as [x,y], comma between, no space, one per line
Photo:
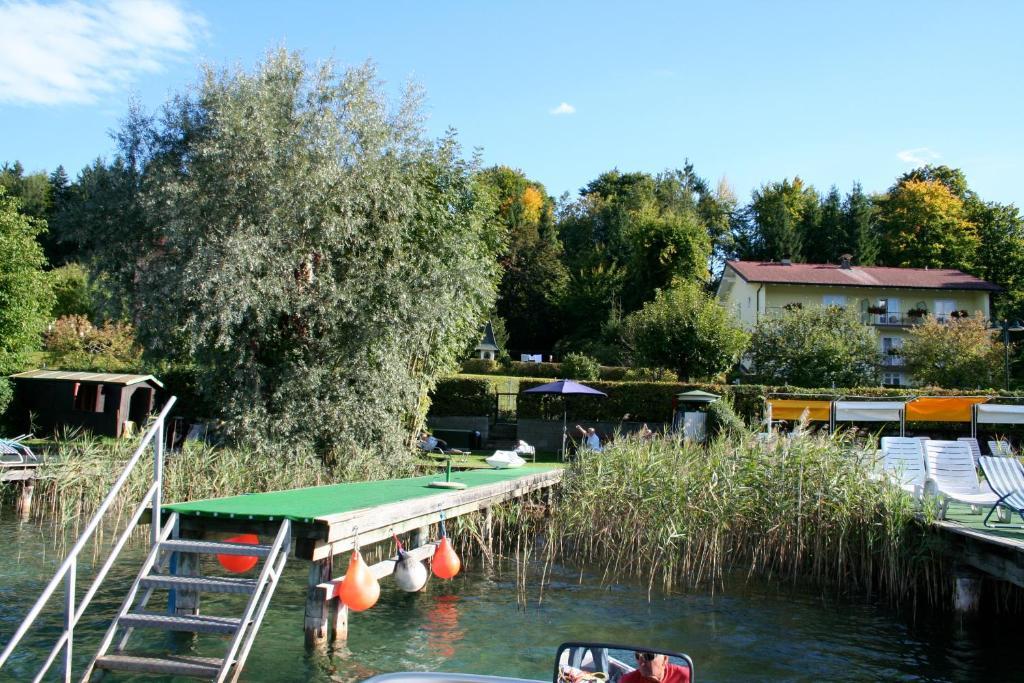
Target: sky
[752,92]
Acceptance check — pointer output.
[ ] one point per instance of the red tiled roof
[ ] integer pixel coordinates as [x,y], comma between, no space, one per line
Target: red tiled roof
[858,276]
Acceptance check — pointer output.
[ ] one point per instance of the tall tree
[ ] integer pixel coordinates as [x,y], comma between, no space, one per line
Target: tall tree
[318,257]
[777,221]
[25,298]
[960,354]
[924,224]
[861,237]
[825,234]
[533,275]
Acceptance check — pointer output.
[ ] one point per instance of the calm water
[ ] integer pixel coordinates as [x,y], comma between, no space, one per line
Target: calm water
[476,623]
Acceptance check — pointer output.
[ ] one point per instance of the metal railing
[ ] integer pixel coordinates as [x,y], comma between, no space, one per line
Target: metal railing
[67,573]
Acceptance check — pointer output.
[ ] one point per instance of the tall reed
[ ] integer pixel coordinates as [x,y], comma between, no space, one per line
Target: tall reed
[800,509]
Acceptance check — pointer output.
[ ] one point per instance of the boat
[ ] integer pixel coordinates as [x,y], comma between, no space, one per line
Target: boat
[577,662]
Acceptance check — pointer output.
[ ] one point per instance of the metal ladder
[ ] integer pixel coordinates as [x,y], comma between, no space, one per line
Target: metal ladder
[133,615]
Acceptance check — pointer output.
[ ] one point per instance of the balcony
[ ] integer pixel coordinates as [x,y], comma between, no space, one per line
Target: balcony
[887,319]
[891,361]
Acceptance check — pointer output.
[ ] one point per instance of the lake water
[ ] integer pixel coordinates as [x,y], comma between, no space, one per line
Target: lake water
[479,623]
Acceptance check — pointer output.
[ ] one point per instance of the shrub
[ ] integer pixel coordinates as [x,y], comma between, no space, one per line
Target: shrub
[580,366]
[71,291]
[649,375]
[961,353]
[74,343]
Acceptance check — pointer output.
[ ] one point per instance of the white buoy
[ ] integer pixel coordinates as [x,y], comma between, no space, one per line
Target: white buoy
[410,574]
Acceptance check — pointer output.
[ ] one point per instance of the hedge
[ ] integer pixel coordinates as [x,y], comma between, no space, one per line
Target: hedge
[476,366]
[646,401]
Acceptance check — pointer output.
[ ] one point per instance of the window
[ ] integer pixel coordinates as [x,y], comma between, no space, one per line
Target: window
[892,379]
[944,309]
[834,300]
[891,347]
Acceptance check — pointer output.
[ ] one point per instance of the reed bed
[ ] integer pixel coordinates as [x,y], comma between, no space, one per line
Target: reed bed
[802,509]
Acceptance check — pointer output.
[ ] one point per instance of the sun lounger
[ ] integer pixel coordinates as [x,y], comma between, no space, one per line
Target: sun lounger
[1006,477]
[1000,448]
[951,469]
[972,443]
[903,458]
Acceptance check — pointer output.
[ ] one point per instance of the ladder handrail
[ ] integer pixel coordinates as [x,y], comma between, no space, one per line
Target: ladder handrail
[269,573]
[66,572]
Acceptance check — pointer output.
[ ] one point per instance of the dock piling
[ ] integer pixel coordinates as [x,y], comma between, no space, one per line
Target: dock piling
[317,615]
[966,591]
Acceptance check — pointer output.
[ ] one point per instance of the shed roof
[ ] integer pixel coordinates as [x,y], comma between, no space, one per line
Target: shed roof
[858,276]
[99,377]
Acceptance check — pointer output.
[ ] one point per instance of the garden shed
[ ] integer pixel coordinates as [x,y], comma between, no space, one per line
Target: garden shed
[99,402]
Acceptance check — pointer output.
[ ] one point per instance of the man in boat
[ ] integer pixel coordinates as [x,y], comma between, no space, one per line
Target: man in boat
[652,667]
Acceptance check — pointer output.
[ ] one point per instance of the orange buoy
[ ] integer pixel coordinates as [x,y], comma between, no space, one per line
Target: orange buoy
[240,563]
[446,563]
[360,589]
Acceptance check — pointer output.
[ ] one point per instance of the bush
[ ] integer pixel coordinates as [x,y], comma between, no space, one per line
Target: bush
[649,375]
[74,343]
[959,353]
[71,291]
[581,367]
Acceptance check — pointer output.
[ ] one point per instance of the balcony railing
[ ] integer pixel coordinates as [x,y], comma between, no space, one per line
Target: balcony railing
[887,319]
[891,361]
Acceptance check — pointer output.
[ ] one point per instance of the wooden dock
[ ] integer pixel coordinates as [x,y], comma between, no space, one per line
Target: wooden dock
[994,553]
[330,520]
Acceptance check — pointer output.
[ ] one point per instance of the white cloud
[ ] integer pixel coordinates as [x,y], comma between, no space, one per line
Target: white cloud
[918,155]
[74,52]
[562,109]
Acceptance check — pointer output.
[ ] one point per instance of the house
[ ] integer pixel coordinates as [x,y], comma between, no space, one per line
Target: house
[890,299]
[95,401]
[487,349]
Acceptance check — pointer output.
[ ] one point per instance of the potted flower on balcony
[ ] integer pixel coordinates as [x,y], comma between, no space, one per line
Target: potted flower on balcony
[795,306]
[876,310]
[917,312]
[959,314]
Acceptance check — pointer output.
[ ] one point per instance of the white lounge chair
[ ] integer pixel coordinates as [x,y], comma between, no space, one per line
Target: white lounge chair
[972,443]
[1000,448]
[1006,477]
[951,469]
[903,457]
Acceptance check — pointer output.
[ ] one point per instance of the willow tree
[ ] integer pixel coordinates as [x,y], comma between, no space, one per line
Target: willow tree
[312,252]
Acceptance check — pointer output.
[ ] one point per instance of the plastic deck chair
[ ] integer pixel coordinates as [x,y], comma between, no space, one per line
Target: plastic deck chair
[1000,448]
[903,457]
[1006,477]
[975,447]
[951,469]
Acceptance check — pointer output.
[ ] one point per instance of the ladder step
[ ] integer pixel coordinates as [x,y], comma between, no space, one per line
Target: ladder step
[207,584]
[216,548]
[173,665]
[170,622]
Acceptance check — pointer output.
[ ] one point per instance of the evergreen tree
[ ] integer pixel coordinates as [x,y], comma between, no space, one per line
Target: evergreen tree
[861,237]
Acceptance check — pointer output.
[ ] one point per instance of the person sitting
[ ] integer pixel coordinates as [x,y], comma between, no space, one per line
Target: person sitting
[655,668]
[591,440]
[430,443]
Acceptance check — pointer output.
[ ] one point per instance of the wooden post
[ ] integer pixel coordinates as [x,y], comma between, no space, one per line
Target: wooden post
[488,527]
[966,591]
[317,616]
[25,499]
[421,536]
[340,625]
[185,601]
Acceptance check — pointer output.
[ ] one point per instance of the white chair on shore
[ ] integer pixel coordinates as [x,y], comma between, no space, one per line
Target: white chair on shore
[975,447]
[1000,448]
[903,459]
[951,469]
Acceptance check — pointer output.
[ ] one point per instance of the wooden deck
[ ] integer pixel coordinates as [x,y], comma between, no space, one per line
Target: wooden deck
[998,553]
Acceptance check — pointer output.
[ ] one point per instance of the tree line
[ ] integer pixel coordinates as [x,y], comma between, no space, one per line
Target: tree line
[296,238]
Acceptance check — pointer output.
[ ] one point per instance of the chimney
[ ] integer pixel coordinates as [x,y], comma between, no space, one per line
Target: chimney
[845,261]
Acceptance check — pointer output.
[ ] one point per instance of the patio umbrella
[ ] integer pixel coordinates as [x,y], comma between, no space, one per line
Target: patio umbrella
[565,387]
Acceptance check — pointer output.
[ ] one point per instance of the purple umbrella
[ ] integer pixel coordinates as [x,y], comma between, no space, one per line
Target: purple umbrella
[565,387]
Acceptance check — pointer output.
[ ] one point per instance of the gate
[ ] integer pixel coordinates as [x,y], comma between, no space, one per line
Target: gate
[505,410]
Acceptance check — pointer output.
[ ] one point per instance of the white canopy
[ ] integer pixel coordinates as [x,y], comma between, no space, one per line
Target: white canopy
[868,411]
[994,413]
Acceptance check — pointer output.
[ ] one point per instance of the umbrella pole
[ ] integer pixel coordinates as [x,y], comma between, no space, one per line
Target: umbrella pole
[565,416]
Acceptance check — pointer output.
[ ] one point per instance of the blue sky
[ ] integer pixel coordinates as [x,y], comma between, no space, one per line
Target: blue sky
[751,91]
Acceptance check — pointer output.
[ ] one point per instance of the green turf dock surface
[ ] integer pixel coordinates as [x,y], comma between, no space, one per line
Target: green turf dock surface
[961,514]
[309,504]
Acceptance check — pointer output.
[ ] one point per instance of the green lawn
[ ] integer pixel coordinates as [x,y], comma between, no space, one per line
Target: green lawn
[475,460]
